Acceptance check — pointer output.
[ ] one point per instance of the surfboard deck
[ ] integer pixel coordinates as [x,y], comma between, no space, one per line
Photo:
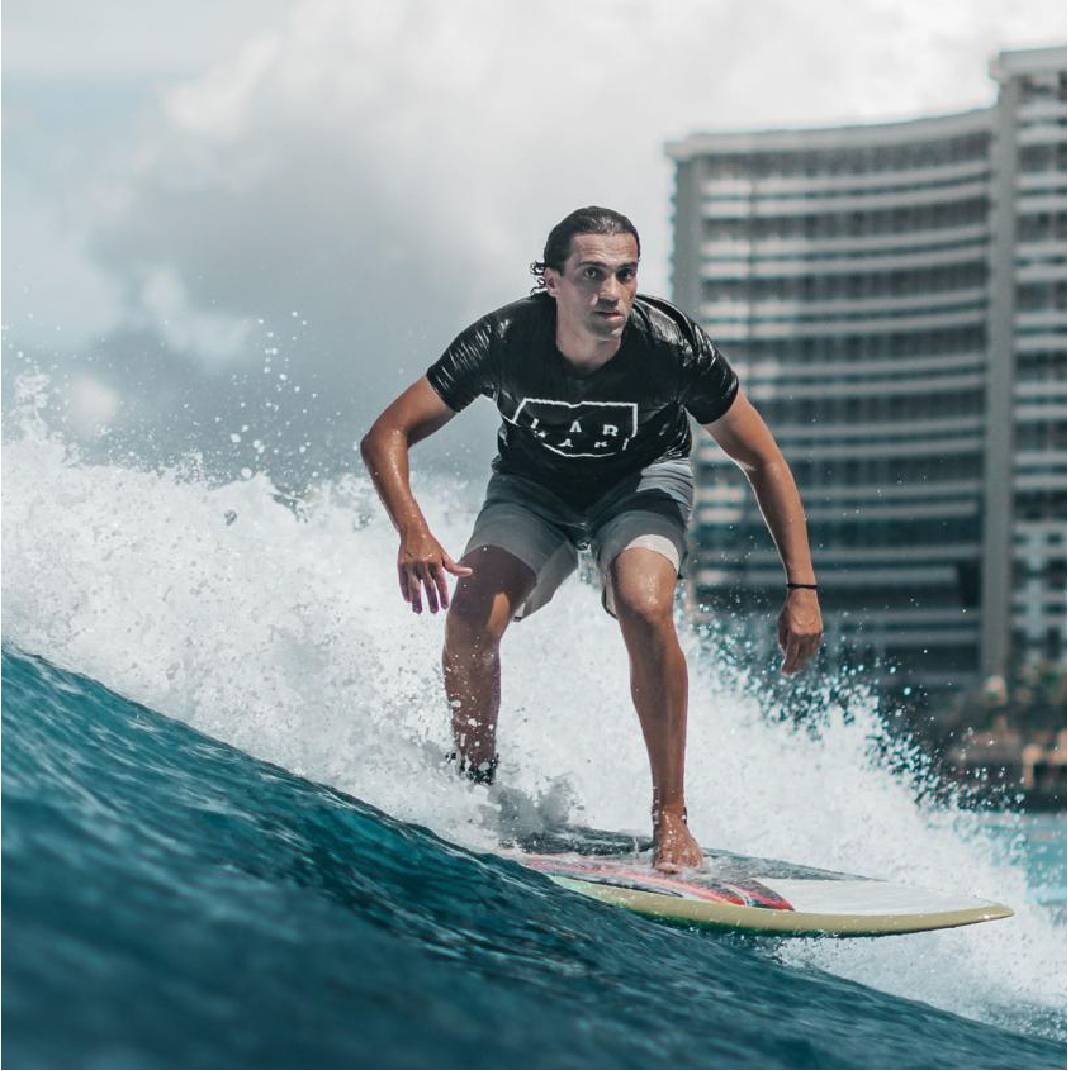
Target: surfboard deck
[742,893]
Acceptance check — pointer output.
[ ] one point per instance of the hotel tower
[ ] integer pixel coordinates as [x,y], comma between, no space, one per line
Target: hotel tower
[893,297]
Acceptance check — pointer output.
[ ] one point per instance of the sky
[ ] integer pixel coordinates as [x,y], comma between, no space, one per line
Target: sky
[237,230]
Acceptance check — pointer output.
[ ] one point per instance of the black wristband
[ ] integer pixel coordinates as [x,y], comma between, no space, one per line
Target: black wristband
[803,587]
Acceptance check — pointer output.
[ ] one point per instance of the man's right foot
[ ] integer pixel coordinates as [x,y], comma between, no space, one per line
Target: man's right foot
[674,847]
[482,774]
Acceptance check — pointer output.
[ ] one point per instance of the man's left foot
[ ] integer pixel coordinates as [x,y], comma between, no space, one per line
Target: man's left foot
[674,848]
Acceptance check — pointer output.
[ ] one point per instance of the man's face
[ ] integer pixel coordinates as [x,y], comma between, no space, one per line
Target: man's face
[595,291]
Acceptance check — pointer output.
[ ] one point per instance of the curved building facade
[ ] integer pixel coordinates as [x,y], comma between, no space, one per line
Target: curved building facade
[1024,579]
[847,274]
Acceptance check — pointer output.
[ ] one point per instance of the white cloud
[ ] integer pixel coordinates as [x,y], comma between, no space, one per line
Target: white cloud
[216,337]
[475,121]
[390,167]
[117,39]
[55,295]
[215,105]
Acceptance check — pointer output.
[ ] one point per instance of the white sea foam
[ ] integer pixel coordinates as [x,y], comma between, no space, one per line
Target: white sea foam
[284,635]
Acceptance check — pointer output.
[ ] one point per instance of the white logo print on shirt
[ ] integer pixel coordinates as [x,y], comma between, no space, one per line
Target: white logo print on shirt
[579,429]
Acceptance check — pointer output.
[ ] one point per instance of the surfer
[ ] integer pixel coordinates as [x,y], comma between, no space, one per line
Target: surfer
[595,385]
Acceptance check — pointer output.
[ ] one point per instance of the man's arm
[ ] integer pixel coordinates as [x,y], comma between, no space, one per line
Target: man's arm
[421,560]
[746,440]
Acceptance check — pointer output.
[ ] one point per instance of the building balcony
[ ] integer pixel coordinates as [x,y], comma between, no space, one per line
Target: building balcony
[1033,410]
[1036,624]
[1041,109]
[859,495]
[1027,204]
[893,365]
[1041,391]
[1052,250]
[902,304]
[786,205]
[1031,460]
[1044,132]
[889,511]
[1051,481]
[1049,533]
[921,576]
[1031,343]
[1051,319]
[934,448]
[870,557]
[755,268]
[906,178]
[868,244]
[1041,182]
[1038,598]
[743,327]
[1052,272]
[757,388]
[887,432]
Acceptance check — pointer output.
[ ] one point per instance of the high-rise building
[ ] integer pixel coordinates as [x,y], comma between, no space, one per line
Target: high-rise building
[1024,493]
[898,336]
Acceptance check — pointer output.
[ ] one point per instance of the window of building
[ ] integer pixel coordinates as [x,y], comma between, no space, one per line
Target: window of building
[1041,226]
[1039,505]
[1034,297]
[1041,366]
[1044,86]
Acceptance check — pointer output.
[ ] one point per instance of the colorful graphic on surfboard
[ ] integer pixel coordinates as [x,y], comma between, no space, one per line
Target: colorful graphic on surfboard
[738,892]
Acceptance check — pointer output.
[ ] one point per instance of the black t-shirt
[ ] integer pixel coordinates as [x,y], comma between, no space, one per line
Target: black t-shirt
[574,433]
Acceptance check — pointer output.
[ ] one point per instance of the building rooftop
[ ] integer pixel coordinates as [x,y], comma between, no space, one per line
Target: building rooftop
[831,137]
[1027,61]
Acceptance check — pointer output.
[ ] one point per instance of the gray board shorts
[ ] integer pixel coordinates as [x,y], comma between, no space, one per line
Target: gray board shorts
[649,508]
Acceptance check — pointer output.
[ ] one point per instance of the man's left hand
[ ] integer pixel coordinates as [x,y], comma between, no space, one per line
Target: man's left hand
[800,629]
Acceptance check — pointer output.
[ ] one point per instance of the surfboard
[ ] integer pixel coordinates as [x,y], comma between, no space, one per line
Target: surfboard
[740,892]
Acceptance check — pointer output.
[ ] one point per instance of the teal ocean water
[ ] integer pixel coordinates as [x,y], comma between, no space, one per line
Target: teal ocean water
[228,840]
[169,901]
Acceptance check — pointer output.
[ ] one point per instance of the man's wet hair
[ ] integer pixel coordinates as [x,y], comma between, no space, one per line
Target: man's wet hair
[590,220]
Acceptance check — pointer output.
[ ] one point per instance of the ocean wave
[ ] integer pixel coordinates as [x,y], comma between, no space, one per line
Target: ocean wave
[170,901]
[275,626]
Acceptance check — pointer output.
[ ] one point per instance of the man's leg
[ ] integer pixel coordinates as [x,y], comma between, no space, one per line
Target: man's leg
[482,607]
[643,584]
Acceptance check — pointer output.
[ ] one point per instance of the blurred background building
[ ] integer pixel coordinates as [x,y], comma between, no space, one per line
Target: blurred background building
[1024,537]
[893,296]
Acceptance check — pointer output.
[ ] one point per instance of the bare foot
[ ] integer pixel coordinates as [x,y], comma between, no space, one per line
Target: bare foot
[674,848]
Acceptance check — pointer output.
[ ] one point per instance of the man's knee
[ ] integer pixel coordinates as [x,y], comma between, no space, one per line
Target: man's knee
[641,607]
[643,585]
[485,602]
[481,609]
[470,630]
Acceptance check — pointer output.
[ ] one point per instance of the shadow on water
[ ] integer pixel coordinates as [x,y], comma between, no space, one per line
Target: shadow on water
[170,901]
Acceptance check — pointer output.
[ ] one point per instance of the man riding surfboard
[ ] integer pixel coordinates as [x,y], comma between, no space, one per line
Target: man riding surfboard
[595,385]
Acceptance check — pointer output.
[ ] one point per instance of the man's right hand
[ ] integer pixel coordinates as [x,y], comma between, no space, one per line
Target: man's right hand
[423,563]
